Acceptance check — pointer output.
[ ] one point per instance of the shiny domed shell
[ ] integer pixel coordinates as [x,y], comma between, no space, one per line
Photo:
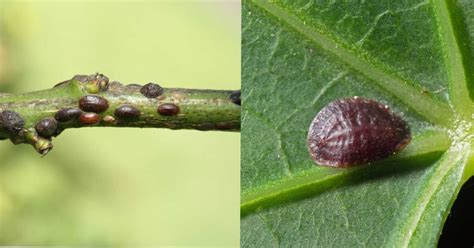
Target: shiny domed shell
[354,131]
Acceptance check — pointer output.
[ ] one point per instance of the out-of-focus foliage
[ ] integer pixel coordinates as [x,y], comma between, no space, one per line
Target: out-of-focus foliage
[109,186]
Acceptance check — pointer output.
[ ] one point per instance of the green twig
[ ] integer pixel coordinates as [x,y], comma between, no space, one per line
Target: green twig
[35,117]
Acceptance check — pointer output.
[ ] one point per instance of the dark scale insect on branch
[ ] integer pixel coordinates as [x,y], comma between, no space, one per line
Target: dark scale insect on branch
[68,114]
[90,100]
[11,122]
[93,103]
[46,127]
[127,112]
[151,90]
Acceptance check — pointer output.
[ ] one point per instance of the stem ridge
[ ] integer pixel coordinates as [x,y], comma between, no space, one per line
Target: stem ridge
[198,109]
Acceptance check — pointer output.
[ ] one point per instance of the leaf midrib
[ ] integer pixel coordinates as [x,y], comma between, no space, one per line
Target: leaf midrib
[429,142]
[434,111]
[457,81]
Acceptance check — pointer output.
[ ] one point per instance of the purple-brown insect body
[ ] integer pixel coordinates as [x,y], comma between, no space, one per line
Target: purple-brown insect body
[93,103]
[11,121]
[46,127]
[355,131]
[127,112]
[67,114]
[89,118]
[151,90]
[168,109]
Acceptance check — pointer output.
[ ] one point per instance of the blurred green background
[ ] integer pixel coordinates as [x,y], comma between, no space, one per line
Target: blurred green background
[110,186]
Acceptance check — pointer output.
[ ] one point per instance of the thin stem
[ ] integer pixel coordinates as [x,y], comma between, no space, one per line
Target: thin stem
[125,106]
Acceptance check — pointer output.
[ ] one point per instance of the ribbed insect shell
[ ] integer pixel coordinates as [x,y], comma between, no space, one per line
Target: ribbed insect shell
[11,121]
[151,90]
[353,131]
[93,103]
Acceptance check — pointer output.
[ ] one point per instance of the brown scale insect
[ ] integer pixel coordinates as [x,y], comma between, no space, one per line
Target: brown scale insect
[11,121]
[168,109]
[67,114]
[127,112]
[354,131]
[93,103]
[151,90]
[89,118]
[46,127]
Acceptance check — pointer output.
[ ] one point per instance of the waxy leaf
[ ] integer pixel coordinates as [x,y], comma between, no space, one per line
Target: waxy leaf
[298,56]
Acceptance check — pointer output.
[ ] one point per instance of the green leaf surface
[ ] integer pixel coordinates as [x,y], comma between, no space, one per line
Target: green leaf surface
[297,56]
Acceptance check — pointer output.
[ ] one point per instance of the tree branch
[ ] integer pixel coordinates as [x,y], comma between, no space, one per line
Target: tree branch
[36,117]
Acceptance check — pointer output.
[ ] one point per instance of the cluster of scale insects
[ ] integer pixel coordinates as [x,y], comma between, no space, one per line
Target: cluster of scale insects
[354,131]
[90,107]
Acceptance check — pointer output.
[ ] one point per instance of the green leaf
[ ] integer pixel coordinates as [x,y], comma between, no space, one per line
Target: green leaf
[297,56]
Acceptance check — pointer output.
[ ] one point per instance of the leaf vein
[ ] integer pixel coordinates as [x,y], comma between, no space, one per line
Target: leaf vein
[433,110]
[457,81]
